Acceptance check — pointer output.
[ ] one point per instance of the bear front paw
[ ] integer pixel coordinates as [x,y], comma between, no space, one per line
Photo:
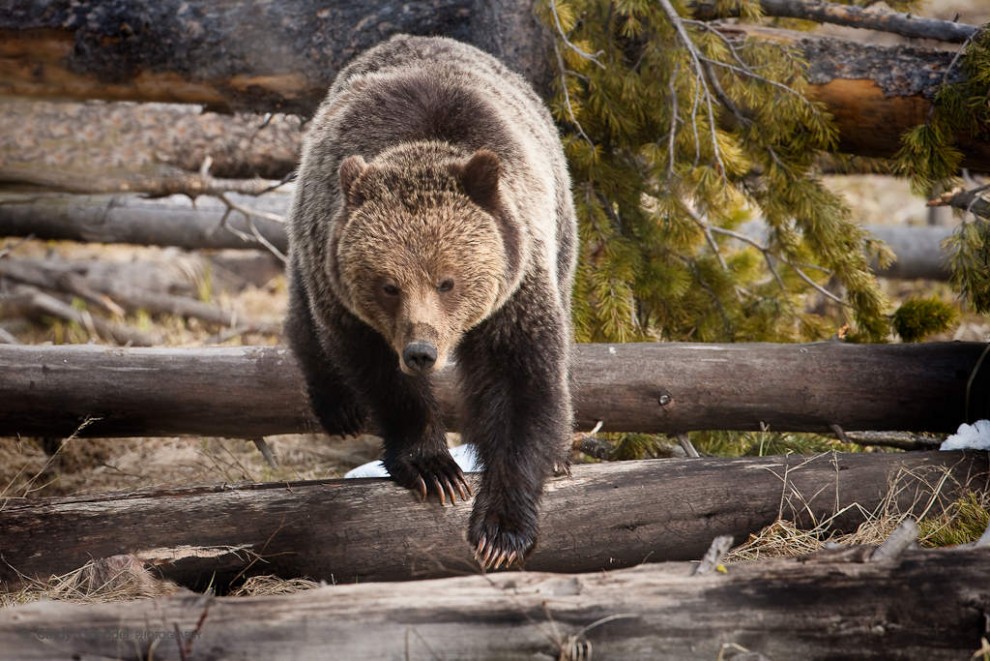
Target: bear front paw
[430,475]
[501,541]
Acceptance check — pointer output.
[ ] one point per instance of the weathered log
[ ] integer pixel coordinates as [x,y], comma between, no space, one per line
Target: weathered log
[604,516]
[253,56]
[33,302]
[922,605]
[263,57]
[127,138]
[176,222]
[660,387]
[172,221]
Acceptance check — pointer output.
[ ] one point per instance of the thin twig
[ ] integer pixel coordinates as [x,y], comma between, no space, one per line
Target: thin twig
[700,72]
[563,37]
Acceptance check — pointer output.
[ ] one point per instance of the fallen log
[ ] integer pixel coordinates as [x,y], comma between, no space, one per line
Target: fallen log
[127,138]
[659,387]
[809,608]
[172,221]
[176,222]
[604,516]
[194,52]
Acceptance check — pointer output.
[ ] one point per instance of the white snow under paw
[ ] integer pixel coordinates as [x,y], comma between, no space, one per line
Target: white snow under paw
[464,455]
[969,437]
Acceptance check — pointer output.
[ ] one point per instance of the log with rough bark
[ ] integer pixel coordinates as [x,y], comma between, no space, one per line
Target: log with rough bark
[282,56]
[176,222]
[604,516]
[661,387]
[921,605]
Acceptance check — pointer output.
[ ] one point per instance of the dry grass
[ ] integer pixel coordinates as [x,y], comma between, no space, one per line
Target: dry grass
[267,586]
[942,521]
[116,578]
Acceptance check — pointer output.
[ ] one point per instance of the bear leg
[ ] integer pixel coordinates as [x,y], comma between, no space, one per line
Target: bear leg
[514,374]
[405,412]
[333,402]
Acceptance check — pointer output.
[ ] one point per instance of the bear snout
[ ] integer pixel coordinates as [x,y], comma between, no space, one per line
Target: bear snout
[419,356]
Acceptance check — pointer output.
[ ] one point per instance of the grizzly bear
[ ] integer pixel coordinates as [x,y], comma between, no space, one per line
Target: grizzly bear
[432,225]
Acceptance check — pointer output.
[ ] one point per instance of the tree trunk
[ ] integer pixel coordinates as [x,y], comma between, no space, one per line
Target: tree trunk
[604,516]
[263,57]
[175,222]
[653,387]
[923,605]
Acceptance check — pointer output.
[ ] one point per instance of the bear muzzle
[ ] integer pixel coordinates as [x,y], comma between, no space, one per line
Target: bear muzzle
[419,350]
[419,357]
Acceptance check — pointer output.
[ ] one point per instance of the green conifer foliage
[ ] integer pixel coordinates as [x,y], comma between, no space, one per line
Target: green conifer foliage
[930,157]
[676,136]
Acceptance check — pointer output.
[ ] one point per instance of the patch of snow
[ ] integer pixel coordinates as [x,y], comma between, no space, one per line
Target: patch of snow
[465,456]
[969,437]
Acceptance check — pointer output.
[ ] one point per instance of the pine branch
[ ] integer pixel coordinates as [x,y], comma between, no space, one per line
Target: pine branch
[905,25]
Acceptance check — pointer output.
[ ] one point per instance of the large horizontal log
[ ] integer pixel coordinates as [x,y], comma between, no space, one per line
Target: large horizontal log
[923,605]
[263,56]
[245,56]
[176,222]
[171,221]
[661,387]
[604,516]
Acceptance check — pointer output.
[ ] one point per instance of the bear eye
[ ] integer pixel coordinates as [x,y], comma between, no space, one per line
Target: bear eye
[390,289]
[445,286]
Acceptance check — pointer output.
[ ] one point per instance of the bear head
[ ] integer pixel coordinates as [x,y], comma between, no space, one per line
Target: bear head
[420,252]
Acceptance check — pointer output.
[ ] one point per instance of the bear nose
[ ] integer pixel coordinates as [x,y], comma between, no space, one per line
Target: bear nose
[419,356]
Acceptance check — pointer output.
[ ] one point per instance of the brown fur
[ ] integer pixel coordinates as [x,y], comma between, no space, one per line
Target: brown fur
[433,221]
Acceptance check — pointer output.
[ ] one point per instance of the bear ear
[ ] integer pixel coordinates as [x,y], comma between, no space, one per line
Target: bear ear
[479,176]
[351,168]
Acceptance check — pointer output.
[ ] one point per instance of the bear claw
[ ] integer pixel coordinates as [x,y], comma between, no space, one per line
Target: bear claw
[438,475]
[492,558]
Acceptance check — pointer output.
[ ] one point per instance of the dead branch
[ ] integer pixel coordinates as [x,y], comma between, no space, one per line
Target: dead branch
[906,25]
[117,296]
[33,301]
[973,201]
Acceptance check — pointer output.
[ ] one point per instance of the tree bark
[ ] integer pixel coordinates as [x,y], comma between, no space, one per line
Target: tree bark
[262,57]
[923,605]
[661,387]
[604,516]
